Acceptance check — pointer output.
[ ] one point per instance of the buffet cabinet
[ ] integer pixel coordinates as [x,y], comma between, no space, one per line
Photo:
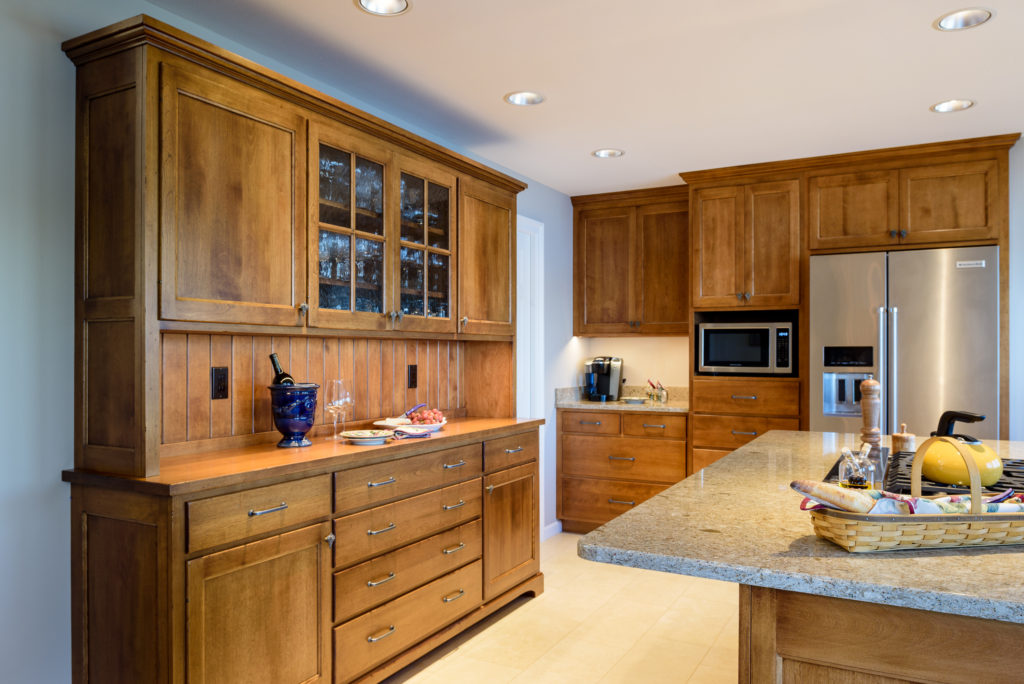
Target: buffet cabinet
[337,575]
[610,461]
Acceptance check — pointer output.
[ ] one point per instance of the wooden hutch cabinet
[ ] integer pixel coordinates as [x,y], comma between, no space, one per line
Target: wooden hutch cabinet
[223,212]
[630,263]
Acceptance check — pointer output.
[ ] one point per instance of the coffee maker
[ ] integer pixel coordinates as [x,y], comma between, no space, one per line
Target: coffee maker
[602,378]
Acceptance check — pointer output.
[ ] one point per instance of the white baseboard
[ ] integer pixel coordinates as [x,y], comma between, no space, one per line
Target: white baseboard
[550,530]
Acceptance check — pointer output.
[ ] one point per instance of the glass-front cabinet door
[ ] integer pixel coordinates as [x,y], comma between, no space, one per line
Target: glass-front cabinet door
[349,231]
[426,268]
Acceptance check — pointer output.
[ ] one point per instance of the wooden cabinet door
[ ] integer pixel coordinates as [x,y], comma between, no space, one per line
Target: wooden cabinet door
[232,185]
[487,259]
[716,235]
[859,209]
[426,276]
[603,271]
[351,209]
[260,612]
[771,249]
[663,281]
[511,521]
[949,202]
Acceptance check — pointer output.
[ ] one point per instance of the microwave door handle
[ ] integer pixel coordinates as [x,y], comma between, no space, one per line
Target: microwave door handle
[893,369]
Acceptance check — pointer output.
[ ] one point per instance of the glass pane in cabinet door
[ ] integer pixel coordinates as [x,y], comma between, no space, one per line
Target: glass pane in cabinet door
[335,186]
[437,212]
[369,275]
[412,281]
[412,208]
[369,196]
[335,271]
[437,285]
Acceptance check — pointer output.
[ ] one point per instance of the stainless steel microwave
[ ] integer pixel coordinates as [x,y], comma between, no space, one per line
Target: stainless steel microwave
[761,348]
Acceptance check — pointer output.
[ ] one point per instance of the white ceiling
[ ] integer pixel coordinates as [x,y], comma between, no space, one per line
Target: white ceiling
[680,85]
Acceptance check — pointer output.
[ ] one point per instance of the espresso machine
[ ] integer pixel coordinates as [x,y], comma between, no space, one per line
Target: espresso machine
[602,378]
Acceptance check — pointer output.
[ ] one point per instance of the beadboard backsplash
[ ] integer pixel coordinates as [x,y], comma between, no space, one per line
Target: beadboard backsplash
[374,369]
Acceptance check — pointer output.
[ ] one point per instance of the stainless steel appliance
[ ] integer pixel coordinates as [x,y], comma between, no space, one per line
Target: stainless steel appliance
[762,348]
[924,323]
[602,378]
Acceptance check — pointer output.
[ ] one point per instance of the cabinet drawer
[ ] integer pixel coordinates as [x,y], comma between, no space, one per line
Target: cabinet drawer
[591,423]
[369,640]
[599,501]
[753,397]
[730,432]
[373,484]
[624,458]
[226,518]
[381,579]
[510,451]
[383,528]
[654,425]
[702,458]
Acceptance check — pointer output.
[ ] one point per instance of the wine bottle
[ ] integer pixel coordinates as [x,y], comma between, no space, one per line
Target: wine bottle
[280,377]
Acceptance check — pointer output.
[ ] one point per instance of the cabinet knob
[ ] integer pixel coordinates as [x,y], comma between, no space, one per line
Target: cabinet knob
[464,321]
[746,296]
[903,233]
[892,233]
[739,296]
[330,540]
[303,308]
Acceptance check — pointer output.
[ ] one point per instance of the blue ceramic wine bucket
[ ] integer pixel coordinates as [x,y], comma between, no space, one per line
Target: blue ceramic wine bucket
[293,408]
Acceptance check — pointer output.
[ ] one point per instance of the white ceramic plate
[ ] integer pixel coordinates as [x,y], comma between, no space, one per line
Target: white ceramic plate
[367,437]
[634,400]
[432,427]
[392,422]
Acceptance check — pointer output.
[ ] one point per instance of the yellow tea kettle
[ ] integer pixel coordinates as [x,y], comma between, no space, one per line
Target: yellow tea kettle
[942,462]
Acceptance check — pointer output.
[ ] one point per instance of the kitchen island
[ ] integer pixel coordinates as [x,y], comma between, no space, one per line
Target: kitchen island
[809,610]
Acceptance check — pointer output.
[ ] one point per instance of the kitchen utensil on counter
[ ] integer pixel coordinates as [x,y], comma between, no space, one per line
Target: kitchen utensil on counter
[941,459]
[339,402]
[903,440]
[871,412]
[293,407]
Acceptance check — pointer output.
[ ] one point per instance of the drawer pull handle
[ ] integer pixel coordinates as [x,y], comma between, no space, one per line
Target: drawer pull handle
[253,514]
[377,583]
[390,480]
[590,422]
[454,596]
[390,526]
[647,425]
[452,549]
[626,503]
[751,397]
[513,451]
[741,432]
[386,633]
[449,466]
[446,507]
[622,458]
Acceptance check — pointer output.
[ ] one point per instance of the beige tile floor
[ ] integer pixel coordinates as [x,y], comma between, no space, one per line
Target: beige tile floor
[596,623]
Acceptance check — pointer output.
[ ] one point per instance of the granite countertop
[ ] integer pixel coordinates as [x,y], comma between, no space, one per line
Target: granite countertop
[678,400]
[737,520]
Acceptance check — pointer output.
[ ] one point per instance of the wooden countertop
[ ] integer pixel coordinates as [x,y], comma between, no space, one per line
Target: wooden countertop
[245,466]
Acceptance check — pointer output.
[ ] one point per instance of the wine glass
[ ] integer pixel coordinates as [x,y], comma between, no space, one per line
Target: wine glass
[339,399]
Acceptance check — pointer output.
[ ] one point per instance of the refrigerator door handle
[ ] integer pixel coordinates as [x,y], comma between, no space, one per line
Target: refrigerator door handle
[894,353]
[882,355]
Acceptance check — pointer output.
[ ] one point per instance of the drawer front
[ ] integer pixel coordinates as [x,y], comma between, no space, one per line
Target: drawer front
[509,451]
[381,579]
[654,425]
[624,458]
[730,432]
[599,501]
[369,640]
[373,484]
[702,458]
[375,531]
[747,396]
[591,422]
[229,517]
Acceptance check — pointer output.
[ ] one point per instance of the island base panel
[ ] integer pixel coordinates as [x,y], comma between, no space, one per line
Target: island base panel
[793,637]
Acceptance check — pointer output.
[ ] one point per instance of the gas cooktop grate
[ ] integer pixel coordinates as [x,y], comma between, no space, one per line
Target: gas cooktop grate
[898,468]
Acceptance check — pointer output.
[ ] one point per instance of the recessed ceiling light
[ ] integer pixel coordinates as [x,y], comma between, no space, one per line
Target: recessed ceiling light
[963,19]
[607,153]
[524,98]
[948,106]
[383,8]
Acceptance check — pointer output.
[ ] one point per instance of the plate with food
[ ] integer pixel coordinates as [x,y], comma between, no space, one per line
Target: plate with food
[430,419]
[367,437]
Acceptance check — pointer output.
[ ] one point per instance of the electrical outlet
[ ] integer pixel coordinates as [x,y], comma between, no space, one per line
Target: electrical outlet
[219,382]
[411,384]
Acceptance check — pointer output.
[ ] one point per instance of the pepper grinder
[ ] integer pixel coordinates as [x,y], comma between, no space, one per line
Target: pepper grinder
[871,411]
[903,440]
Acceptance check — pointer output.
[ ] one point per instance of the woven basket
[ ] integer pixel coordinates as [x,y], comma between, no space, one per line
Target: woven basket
[859,532]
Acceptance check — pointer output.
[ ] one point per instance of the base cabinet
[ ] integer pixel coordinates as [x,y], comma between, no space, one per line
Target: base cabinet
[511,534]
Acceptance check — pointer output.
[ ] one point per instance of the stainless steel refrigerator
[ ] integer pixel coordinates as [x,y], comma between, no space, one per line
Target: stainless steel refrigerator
[924,323]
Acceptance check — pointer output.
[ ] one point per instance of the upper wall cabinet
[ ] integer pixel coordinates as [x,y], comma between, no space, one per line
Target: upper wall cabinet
[746,245]
[630,264]
[231,233]
[487,259]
